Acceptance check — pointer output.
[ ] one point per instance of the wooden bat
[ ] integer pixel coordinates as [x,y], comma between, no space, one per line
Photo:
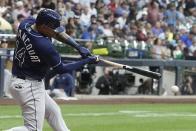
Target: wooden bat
[63,38]
[147,73]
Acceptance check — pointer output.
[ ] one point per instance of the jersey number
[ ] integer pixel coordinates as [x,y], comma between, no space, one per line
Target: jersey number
[20,54]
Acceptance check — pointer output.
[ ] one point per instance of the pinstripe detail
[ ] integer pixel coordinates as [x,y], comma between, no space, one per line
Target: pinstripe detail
[34,106]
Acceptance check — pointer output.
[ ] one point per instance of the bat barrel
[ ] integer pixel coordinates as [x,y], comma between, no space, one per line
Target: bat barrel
[147,73]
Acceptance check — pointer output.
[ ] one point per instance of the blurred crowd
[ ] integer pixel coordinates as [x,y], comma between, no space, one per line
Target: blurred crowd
[167,26]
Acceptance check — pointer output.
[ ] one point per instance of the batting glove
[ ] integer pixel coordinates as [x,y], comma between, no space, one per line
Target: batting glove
[94,59]
[84,52]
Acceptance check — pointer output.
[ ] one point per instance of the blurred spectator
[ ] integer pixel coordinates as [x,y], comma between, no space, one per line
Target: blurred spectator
[99,4]
[142,3]
[85,79]
[3,7]
[91,34]
[20,17]
[181,16]
[122,20]
[169,34]
[85,3]
[4,43]
[193,30]
[190,7]
[88,34]
[171,16]
[141,34]
[78,26]
[61,11]
[163,3]
[177,53]
[186,88]
[118,32]
[7,80]
[93,10]
[104,82]
[191,19]
[85,18]
[93,19]
[61,6]
[100,26]
[77,9]
[113,20]
[140,20]
[100,18]
[66,82]
[142,15]
[7,72]
[71,27]
[36,9]
[133,30]
[105,12]
[5,26]
[145,86]
[112,5]
[153,12]
[20,9]
[68,10]
[192,48]
[158,49]
[107,30]
[7,15]
[150,41]
[48,4]
[132,12]
[157,30]
[29,4]
[186,37]
[122,9]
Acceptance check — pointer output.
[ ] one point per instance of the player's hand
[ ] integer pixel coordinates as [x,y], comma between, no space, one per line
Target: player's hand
[94,59]
[84,52]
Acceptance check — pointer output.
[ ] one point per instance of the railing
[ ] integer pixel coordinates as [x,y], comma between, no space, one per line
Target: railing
[178,65]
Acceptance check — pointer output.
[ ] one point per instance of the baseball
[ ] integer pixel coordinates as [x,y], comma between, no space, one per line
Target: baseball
[175,89]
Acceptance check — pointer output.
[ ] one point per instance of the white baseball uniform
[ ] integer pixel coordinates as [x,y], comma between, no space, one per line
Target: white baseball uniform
[36,105]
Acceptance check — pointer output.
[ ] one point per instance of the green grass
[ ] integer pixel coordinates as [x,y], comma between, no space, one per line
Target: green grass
[150,117]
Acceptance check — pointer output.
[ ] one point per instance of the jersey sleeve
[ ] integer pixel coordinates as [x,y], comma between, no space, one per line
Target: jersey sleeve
[53,59]
[48,53]
[65,68]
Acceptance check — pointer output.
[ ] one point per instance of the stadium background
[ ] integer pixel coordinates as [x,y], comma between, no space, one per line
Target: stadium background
[157,35]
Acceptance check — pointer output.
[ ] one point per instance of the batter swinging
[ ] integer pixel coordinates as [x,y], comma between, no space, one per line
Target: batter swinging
[34,56]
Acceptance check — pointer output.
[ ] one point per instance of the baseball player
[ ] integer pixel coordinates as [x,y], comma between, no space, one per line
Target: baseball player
[34,55]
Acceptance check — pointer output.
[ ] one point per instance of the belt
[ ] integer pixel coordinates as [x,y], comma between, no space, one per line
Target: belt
[28,78]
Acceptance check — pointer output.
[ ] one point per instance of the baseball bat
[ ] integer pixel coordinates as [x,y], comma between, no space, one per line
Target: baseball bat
[143,72]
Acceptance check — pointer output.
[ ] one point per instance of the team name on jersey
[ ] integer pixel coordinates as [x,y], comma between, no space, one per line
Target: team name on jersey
[28,46]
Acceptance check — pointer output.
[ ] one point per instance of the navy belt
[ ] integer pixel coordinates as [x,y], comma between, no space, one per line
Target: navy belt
[28,78]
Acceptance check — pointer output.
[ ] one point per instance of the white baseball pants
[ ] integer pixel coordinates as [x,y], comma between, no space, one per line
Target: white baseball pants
[36,105]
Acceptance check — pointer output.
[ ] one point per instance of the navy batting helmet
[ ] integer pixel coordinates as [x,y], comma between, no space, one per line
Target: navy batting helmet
[51,19]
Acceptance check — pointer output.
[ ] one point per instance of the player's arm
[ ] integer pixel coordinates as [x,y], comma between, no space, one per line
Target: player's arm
[51,56]
[64,38]
[64,68]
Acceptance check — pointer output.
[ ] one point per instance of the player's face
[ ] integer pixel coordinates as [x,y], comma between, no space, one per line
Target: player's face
[46,31]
